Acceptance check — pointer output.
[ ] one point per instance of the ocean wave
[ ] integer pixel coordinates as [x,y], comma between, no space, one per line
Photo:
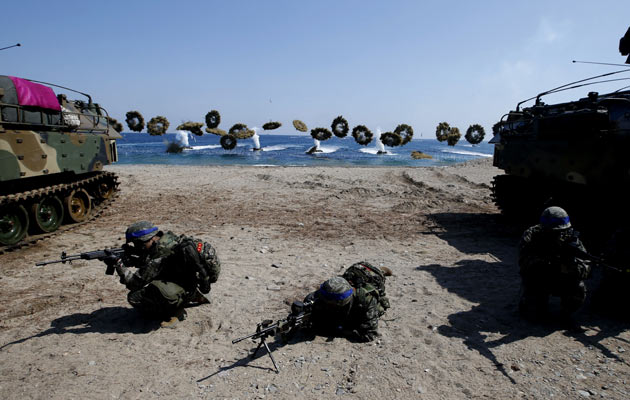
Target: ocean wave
[373,150]
[326,149]
[140,148]
[140,144]
[205,147]
[276,147]
[467,153]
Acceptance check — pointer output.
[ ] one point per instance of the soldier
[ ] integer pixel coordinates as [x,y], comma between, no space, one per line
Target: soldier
[549,265]
[353,312]
[170,273]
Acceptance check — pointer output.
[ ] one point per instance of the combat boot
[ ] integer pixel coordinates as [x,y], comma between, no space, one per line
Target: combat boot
[198,299]
[570,323]
[180,315]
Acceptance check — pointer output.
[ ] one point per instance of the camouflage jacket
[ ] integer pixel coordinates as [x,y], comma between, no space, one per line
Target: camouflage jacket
[164,261]
[359,321]
[541,255]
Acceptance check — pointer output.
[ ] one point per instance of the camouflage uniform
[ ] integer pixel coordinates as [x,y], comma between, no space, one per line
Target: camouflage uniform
[548,268]
[356,316]
[165,279]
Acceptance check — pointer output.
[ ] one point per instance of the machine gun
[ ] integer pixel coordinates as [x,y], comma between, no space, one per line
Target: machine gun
[107,255]
[300,314]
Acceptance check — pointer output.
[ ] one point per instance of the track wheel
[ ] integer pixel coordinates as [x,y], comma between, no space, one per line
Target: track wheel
[47,214]
[78,205]
[13,224]
[104,190]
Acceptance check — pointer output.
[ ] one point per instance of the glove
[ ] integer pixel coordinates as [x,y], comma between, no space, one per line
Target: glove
[110,258]
[121,270]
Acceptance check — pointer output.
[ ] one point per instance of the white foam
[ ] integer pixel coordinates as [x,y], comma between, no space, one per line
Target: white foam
[276,147]
[467,153]
[256,138]
[181,138]
[208,146]
[374,150]
[326,149]
[379,145]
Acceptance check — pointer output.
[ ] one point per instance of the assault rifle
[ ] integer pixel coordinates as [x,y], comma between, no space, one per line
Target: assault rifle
[110,256]
[575,251]
[300,314]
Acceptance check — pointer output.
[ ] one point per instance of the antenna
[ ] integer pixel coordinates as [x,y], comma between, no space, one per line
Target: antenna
[63,87]
[8,47]
[590,83]
[537,97]
[601,63]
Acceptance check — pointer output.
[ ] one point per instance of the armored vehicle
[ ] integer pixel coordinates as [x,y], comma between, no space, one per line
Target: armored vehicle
[574,155]
[52,154]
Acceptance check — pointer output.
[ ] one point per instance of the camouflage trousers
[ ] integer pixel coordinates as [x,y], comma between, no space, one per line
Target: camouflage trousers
[535,295]
[158,299]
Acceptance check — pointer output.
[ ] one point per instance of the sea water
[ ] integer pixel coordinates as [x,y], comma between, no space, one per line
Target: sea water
[291,150]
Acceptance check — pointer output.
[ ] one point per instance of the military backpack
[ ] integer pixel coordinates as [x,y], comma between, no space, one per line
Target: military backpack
[362,274]
[203,258]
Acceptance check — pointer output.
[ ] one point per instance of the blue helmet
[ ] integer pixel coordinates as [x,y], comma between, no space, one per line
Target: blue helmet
[555,218]
[140,231]
[336,291]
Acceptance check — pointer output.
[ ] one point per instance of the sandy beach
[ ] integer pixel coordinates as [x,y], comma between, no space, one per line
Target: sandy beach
[67,332]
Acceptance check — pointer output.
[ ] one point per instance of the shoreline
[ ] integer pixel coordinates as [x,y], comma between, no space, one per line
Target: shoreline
[481,161]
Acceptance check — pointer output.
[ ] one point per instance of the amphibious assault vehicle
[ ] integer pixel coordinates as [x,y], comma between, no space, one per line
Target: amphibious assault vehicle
[52,154]
[574,155]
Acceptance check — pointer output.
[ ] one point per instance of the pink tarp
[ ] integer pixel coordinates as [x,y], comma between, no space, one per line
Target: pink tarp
[34,94]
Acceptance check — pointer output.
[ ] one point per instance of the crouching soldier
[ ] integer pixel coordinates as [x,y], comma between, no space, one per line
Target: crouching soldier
[167,272]
[550,265]
[350,305]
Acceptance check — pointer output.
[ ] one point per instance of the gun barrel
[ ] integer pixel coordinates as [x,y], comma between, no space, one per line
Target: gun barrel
[269,330]
[597,260]
[90,255]
[39,264]
[244,337]
[62,260]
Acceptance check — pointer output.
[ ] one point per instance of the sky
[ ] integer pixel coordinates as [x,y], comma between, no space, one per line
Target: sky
[377,63]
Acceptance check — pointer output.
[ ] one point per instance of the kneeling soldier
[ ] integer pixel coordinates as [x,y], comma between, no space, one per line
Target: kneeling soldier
[550,265]
[170,273]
